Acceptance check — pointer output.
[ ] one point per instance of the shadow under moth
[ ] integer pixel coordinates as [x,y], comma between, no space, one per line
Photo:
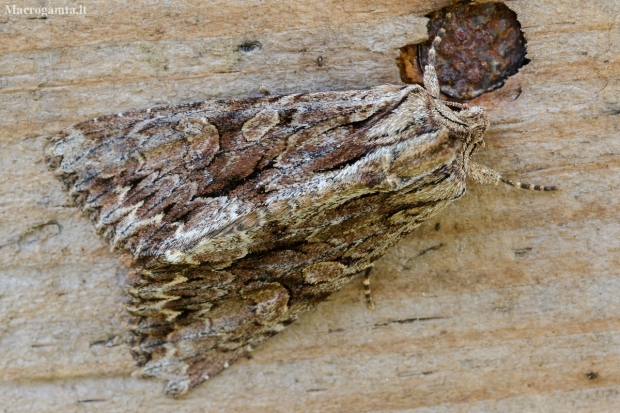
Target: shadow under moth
[234,217]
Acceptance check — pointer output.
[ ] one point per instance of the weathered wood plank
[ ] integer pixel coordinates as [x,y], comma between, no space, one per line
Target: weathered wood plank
[504,308]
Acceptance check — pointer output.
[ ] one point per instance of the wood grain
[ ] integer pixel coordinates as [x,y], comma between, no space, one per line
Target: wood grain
[503,307]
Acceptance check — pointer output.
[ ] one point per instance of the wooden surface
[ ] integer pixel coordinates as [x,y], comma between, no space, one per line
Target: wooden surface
[505,306]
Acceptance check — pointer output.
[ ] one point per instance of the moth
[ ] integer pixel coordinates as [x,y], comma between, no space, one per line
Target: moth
[234,217]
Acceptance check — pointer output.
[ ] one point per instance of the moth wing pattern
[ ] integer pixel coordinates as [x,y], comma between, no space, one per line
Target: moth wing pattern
[235,217]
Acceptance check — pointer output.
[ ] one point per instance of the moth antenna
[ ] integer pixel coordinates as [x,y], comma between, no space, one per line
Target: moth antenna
[529,186]
[431,84]
[366,282]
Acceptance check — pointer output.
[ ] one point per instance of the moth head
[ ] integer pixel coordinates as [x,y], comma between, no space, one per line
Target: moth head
[477,119]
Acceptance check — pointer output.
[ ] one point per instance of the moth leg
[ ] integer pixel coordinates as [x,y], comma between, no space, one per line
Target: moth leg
[431,84]
[366,282]
[529,186]
[462,106]
[484,175]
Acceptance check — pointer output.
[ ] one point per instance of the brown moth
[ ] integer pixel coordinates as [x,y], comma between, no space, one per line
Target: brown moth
[234,217]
